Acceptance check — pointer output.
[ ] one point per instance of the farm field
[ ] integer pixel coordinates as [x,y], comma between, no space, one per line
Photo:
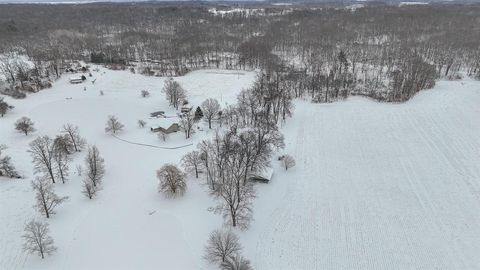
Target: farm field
[375,186]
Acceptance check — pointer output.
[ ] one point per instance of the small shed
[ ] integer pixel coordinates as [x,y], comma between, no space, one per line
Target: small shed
[186,109]
[75,80]
[263,176]
[157,114]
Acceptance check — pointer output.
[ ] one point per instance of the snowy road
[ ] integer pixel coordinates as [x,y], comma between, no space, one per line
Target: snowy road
[377,186]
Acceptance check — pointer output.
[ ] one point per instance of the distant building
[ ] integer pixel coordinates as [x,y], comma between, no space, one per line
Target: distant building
[171,129]
[157,114]
[263,176]
[75,80]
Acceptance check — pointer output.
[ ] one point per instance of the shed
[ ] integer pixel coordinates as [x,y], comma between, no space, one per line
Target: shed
[263,176]
[157,114]
[76,80]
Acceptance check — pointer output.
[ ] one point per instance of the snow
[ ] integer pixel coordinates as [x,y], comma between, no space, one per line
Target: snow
[375,186]
[130,225]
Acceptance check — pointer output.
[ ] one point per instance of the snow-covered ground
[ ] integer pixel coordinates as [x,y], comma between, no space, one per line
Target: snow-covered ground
[130,225]
[376,186]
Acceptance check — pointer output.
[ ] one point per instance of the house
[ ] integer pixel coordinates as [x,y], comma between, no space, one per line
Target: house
[263,176]
[173,128]
[75,80]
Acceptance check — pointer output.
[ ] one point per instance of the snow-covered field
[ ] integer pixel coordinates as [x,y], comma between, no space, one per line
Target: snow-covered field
[376,186]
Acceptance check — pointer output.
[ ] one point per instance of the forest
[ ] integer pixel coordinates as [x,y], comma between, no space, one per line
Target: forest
[324,52]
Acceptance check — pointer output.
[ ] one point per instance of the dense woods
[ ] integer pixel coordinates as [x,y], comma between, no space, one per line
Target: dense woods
[326,52]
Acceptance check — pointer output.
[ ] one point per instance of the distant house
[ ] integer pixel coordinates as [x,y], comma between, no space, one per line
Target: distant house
[75,80]
[173,128]
[263,176]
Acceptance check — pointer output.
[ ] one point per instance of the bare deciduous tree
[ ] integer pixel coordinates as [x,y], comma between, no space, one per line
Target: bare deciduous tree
[42,152]
[210,108]
[24,125]
[192,162]
[162,135]
[95,166]
[37,239]
[221,245]
[73,133]
[288,162]
[113,125]
[64,144]
[6,167]
[237,262]
[4,107]
[61,157]
[172,181]
[174,93]
[141,123]
[187,122]
[46,199]
[145,93]
[88,189]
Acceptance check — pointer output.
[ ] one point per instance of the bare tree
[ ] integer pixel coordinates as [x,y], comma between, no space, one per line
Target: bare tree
[113,125]
[221,245]
[46,199]
[95,166]
[162,135]
[61,157]
[73,133]
[88,189]
[174,93]
[288,162]
[42,152]
[141,123]
[210,108]
[192,162]
[24,125]
[37,239]
[172,181]
[4,107]
[235,200]
[64,144]
[145,93]
[236,263]
[6,167]
[187,122]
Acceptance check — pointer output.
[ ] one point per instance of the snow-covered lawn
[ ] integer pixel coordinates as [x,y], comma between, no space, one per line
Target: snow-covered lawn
[376,186]
[130,225]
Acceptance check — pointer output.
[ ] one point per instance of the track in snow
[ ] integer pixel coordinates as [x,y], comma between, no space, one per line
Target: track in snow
[379,186]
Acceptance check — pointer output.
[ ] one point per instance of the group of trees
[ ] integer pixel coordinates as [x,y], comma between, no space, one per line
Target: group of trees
[51,159]
[228,159]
